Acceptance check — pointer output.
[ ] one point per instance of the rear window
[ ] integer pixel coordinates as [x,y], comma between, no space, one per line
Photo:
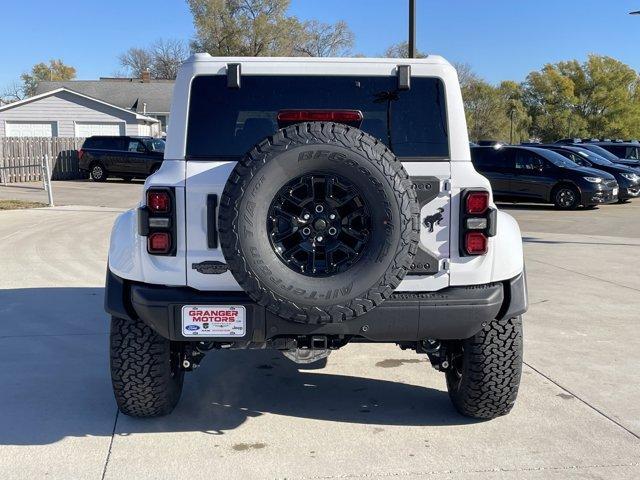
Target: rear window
[633,153]
[226,122]
[618,151]
[154,144]
[104,143]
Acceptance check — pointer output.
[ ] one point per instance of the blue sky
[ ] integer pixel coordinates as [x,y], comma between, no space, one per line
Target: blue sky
[501,39]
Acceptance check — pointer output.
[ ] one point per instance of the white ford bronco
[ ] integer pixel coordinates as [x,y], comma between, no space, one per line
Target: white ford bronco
[307,203]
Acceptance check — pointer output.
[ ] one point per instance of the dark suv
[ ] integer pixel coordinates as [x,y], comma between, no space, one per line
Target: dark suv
[626,150]
[628,179]
[529,174]
[125,157]
[599,148]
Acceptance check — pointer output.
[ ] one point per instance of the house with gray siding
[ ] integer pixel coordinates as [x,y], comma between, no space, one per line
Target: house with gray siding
[63,112]
[145,96]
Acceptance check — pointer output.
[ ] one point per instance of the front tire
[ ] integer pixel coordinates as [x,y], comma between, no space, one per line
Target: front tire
[145,369]
[566,198]
[484,377]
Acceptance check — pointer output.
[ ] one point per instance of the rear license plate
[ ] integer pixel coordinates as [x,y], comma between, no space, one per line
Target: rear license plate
[213,321]
[615,192]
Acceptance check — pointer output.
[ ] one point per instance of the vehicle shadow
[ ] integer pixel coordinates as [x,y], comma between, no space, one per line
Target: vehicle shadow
[538,207]
[233,386]
[55,377]
[564,242]
[12,186]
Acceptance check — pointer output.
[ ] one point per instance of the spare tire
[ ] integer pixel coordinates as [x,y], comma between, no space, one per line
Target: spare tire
[319,223]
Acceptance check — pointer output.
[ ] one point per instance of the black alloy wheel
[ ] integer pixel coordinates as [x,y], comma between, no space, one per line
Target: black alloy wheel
[566,198]
[319,224]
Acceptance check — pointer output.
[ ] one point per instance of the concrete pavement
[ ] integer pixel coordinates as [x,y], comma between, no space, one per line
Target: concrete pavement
[374,412]
[114,193]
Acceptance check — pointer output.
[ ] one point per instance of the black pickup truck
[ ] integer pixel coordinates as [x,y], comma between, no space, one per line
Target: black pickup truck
[124,157]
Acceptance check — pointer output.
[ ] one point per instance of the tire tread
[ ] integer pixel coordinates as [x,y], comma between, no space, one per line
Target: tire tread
[141,370]
[492,368]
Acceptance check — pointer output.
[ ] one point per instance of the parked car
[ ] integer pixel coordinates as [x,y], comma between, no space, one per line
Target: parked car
[324,206]
[599,150]
[626,150]
[628,179]
[124,157]
[529,174]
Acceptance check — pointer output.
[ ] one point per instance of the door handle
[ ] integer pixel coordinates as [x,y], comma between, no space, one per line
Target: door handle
[212,222]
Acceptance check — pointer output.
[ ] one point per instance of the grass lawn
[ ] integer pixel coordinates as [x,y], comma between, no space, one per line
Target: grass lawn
[19,204]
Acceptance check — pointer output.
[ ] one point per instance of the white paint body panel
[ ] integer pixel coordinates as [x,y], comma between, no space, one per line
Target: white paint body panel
[128,257]
[194,180]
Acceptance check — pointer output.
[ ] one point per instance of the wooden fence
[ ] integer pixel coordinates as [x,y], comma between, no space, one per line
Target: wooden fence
[20,158]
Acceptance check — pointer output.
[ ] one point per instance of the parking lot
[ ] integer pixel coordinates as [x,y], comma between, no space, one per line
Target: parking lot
[374,412]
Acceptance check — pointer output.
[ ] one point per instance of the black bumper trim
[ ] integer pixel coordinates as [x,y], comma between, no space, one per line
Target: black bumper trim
[451,313]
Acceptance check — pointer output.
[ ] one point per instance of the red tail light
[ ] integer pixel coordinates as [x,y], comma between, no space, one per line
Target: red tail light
[477,222]
[80,154]
[476,243]
[159,242]
[158,202]
[339,116]
[477,203]
[157,221]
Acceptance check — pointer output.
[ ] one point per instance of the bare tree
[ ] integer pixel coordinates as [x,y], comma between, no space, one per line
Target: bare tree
[325,39]
[136,61]
[466,75]
[166,58]
[401,50]
[13,92]
[162,59]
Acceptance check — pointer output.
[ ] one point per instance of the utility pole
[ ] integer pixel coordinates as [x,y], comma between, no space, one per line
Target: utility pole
[412,28]
[511,117]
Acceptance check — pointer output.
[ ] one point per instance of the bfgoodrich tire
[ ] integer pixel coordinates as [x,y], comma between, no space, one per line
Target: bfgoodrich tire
[145,369]
[319,223]
[484,377]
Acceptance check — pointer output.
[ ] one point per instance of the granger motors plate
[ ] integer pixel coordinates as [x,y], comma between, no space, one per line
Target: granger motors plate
[213,320]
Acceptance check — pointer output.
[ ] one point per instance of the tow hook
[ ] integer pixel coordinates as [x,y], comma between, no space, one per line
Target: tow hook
[192,355]
[437,353]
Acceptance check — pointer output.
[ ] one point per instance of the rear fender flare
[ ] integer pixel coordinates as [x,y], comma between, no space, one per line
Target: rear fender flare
[508,257]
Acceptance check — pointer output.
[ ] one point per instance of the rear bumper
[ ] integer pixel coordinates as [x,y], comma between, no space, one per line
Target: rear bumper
[451,313]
